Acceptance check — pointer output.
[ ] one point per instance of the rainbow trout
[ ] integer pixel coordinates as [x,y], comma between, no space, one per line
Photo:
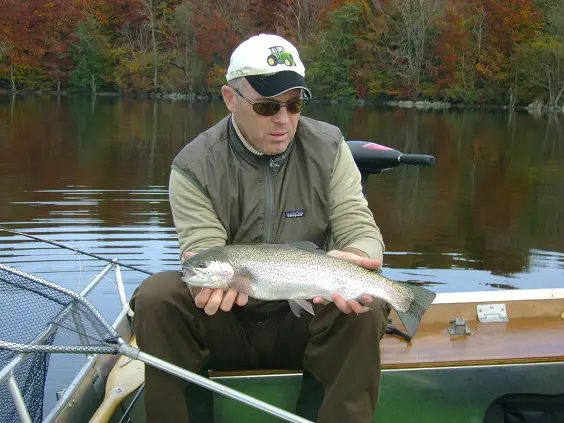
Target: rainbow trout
[298,272]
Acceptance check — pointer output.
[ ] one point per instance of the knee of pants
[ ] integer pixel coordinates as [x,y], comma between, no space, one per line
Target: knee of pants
[381,313]
[373,322]
[330,320]
[157,291]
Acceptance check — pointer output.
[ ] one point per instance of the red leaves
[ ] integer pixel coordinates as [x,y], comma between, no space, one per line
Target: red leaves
[35,28]
[215,37]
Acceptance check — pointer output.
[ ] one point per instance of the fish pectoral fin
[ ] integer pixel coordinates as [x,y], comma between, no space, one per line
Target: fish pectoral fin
[295,307]
[298,305]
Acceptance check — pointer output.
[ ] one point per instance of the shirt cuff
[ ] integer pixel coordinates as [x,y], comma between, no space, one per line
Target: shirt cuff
[371,247]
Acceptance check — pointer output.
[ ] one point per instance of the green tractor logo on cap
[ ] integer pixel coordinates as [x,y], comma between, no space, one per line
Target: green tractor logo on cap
[280,56]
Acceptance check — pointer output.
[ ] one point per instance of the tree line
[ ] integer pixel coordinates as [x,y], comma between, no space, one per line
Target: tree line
[468,51]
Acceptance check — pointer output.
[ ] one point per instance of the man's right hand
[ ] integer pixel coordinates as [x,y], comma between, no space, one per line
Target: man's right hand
[211,300]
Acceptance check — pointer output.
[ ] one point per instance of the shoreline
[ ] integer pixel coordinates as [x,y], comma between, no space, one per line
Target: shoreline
[536,107]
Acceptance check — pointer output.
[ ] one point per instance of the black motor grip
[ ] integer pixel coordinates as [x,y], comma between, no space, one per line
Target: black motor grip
[372,158]
[417,159]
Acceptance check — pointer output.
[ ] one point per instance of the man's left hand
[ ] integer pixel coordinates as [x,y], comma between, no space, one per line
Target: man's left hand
[350,306]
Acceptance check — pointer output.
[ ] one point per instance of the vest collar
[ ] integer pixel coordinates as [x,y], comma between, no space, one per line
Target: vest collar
[244,150]
[243,140]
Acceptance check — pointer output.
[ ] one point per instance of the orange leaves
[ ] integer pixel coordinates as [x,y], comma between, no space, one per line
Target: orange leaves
[478,38]
[113,13]
[510,22]
[216,78]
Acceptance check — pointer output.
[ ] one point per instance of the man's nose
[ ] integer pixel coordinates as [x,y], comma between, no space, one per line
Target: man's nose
[282,116]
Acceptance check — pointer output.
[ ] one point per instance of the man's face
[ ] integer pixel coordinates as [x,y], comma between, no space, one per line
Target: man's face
[268,134]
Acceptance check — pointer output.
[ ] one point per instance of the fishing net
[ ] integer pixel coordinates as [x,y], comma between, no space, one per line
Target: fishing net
[30,377]
[38,318]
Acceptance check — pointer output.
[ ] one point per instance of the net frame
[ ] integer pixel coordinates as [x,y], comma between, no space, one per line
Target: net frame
[92,314]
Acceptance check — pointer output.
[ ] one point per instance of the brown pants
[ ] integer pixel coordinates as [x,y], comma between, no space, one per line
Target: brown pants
[339,353]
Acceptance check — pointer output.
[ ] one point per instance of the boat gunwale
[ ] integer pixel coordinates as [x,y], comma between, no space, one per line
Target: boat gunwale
[496,296]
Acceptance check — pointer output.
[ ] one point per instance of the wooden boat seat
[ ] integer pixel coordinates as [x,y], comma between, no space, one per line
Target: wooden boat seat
[534,333]
[521,340]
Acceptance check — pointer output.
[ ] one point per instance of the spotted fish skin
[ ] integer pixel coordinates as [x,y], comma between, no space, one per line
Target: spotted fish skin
[297,272]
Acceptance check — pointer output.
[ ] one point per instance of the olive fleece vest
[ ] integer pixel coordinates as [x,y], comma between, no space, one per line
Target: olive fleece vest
[271,199]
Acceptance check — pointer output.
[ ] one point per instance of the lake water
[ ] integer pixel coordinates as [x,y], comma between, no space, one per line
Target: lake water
[93,174]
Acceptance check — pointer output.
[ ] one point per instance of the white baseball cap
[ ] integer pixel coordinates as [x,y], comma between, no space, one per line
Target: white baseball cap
[270,63]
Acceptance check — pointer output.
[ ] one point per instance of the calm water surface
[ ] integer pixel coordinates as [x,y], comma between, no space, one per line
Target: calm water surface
[94,174]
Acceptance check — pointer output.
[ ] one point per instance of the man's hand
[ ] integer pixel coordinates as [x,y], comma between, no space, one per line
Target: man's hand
[211,300]
[348,307]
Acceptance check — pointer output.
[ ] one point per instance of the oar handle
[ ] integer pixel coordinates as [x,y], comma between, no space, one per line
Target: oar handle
[126,377]
[106,410]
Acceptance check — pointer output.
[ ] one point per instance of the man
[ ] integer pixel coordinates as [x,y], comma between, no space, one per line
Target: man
[265,174]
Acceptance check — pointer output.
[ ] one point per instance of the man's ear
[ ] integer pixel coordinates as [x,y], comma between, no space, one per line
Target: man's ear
[229,97]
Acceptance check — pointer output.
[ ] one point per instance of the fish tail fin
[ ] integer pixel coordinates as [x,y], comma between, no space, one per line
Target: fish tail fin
[423,298]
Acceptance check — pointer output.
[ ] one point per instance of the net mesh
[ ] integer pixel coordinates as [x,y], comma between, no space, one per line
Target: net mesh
[39,317]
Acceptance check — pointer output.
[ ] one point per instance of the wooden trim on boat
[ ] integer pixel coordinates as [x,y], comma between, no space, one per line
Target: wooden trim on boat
[499,296]
[534,334]
[518,309]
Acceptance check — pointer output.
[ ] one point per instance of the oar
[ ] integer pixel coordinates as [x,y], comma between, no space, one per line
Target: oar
[126,376]
[76,250]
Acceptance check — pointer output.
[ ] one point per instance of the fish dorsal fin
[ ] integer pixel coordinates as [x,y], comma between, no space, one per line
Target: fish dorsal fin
[307,246]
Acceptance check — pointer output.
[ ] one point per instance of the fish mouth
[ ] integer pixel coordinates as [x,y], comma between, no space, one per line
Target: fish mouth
[203,278]
[189,272]
[196,277]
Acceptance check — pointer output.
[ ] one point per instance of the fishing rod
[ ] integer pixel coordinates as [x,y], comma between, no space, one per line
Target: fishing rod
[76,250]
[391,329]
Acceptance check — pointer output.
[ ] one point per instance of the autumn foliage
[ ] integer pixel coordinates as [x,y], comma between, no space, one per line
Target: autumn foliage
[470,51]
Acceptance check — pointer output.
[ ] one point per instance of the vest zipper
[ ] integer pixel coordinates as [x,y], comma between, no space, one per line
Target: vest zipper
[269,209]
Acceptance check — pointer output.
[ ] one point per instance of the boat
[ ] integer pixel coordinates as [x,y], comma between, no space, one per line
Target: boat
[471,349]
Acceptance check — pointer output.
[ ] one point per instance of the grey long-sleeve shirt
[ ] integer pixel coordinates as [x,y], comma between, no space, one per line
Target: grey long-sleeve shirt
[352,222]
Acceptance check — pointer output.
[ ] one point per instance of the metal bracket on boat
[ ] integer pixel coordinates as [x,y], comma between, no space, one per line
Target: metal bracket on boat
[492,313]
[459,327]
[59,394]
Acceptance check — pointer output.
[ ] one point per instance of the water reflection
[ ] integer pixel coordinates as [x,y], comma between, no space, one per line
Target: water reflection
[94,174]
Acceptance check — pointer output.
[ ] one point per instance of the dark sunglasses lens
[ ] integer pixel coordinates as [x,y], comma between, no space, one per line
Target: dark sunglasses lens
[266,108]
[270,108]
[295,106]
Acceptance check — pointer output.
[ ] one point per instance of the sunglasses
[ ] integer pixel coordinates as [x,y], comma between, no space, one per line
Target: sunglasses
[270,108]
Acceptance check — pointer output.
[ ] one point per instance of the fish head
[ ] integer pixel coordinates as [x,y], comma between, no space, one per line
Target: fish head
[204,270]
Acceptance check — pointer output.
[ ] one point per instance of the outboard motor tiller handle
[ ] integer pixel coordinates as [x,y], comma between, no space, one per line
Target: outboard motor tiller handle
[372,158]
[417,159]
